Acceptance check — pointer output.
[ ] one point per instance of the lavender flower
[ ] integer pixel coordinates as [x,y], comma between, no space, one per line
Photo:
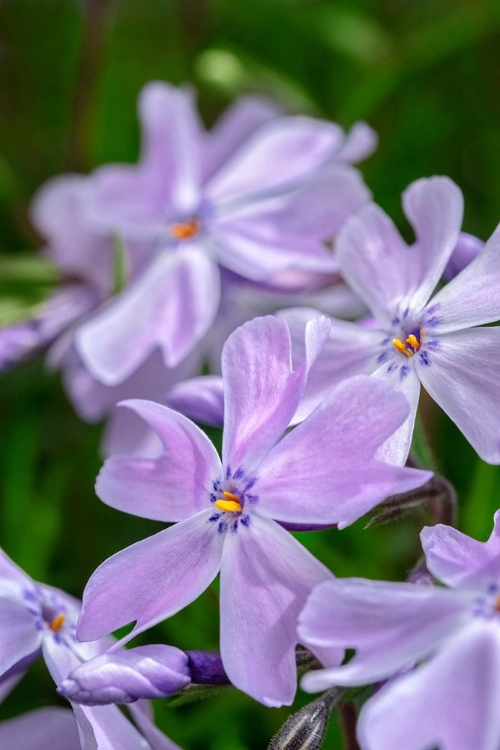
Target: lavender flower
[51,727]
[257,195]
[225,512]
[436,343]
[38,620]
[450,700]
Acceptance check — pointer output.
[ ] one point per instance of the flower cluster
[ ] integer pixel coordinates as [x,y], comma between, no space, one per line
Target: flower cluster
[254,250]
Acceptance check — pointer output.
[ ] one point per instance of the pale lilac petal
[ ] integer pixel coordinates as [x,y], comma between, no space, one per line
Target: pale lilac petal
[360,143]
[170,487]
[375,262]
[51,727]
[152,579]
[232,129]
[261,391]
[325,470]
[463,378]
[9,571]
[266,576]
[460,561]
[20,637]
[170,306]
[106,728]
[143,716]
[350,349]
[434,208]
[7,684]
[381,268]
[322,205]
[259,248]
[172,133]
[395,450]
[466,250]
[451,702]
[473,297]
[390,625]
[200,399]
[277,157]
[123,676]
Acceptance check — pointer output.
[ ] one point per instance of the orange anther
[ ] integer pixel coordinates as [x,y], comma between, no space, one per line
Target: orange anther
[185,231]
[401,347]
[57,623]
[413,341]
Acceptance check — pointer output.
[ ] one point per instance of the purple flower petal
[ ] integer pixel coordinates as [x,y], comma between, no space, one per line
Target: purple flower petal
[381,268]
[123,676]
[464,380]
[20,637]
[200,399]
[170,487]
[152,579]
[50,727]
[232,129]
[277,157]
[460,561]
[143,716]
[107,727]
[171,306]
[360,143]
[324,471]
[451,702]
[466,250]
[266,576]
[261,391]
[389,624]
[473,297]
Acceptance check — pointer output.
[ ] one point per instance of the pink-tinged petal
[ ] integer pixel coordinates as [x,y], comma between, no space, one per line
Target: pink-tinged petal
[360,143]
[261,391]
[107,728]
[51,727]
[258,248]
[200,399]
[9,571]
[20,637]
[152,579]
[266,576]
[463,379]
[324,470]
[451,702]
[435,209]
[466,250]
[381,268]
[395,450]
[390,625]
[375,261]
[473,297]
[232,129]
[171,151]
[351,349]
[460,561]
[277,157]
[170,306]
[170,487]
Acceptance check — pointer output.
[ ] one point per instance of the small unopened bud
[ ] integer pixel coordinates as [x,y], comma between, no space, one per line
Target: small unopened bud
[306,729]
[206,668]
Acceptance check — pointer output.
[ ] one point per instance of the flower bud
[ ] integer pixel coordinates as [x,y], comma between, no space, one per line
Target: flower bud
[306,729]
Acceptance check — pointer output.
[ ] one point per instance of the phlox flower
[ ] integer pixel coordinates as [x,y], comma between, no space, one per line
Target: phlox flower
[445,641]
[440,343]
[39,620]
[257,195]
[228,513]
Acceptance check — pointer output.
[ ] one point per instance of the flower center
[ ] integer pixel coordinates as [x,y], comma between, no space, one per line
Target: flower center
[229,503]
[57,623]
[185,230]
[411,344]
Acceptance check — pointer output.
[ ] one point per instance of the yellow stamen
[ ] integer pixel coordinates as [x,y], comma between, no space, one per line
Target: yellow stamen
[185,231]
[413,341]
[401,347]
[231,503]
[57,623]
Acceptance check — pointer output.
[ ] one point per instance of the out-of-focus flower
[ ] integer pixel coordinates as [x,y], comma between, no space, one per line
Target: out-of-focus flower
[226,513]
[466,250]
[38,620]
[54,728]
[440,343]
[451,699]
[257,195]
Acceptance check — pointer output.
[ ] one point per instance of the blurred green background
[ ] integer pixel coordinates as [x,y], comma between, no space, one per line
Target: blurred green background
[424,73]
